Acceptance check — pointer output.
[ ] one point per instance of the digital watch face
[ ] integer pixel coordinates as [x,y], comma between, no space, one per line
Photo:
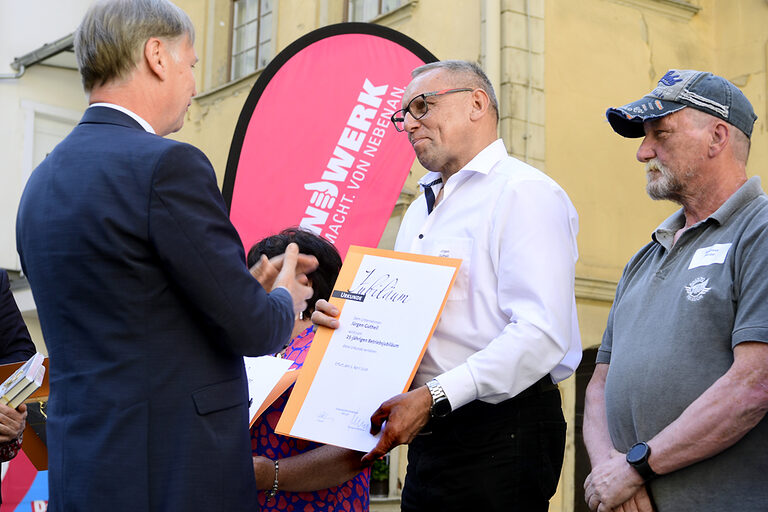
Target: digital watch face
[637,453]
[314,145]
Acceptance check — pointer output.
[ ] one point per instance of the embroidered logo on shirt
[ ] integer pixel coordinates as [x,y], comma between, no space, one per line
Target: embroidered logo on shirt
[697,289]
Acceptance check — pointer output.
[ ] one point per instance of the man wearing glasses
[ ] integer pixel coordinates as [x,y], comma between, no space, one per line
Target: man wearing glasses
[483,416]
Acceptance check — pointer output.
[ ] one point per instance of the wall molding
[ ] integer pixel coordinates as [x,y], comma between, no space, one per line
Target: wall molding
[680,9]
[595,289]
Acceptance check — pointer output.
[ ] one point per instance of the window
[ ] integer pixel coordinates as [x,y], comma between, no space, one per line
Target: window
[252,37]
[366,10]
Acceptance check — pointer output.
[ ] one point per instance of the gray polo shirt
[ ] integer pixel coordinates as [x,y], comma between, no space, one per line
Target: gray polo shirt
[677,315]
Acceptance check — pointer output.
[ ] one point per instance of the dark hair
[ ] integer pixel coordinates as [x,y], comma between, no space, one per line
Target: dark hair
[329,261]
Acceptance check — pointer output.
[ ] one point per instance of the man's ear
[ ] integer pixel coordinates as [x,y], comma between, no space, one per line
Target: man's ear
[480,104]
[720,136]
[155,55]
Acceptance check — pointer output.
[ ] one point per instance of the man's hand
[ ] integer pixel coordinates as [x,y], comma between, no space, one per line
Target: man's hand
[405,415]
[12,422]
[640,502]
[325,314]
[266,269]
[293,280]
[611,483]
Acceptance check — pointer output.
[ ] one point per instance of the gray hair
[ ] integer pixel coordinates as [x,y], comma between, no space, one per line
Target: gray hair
[110,40]
[475,73]
[740,142]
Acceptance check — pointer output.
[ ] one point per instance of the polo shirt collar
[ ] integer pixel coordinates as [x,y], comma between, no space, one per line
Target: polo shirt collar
[665,233]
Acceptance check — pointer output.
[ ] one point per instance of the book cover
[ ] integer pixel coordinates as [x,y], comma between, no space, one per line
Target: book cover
[25,376]
[29,389]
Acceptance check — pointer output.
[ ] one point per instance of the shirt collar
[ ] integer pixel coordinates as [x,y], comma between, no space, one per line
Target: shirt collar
[127,112]
[664,234]
[483,162]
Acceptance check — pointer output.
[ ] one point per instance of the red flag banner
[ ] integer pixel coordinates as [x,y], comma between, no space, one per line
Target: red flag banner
[314,145]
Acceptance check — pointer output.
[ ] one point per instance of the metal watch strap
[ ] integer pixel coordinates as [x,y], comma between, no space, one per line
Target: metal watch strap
[441,406]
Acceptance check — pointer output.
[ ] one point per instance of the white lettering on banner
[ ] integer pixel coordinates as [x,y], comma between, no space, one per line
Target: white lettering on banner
[315,221]
[345,171]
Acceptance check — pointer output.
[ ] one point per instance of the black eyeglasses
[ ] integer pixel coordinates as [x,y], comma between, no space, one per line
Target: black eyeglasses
[418,108]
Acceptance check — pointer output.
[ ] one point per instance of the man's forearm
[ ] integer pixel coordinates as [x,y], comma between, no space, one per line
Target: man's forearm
[722,415]
[596,435]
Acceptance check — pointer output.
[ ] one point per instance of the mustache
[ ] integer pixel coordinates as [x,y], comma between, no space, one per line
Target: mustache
[655,165]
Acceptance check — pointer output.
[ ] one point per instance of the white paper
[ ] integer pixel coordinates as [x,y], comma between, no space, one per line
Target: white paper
[371,357]
[263,374]
[709,255]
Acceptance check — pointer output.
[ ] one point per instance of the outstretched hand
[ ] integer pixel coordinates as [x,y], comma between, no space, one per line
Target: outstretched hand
[266,270]
[293,280]
[402,416]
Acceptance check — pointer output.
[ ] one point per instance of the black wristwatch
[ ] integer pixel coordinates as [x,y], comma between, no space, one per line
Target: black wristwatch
[440,404]
[637,457]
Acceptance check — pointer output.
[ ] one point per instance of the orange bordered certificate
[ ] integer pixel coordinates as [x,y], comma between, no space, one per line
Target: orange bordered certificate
[390,304]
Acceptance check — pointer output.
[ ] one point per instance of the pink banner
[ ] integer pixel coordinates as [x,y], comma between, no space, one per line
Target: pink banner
[314,145]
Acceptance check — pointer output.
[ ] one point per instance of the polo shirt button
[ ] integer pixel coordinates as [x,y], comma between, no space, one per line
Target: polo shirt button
[421,236]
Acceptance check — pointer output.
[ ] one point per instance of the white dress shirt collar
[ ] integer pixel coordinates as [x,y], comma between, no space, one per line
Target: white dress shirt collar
[482,163]
[127,112]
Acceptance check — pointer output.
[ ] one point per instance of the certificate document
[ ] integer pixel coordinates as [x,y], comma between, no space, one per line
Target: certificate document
[268,378]
[390,303]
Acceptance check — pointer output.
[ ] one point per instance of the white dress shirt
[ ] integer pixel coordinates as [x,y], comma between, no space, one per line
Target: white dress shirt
[510,318]
[133,115]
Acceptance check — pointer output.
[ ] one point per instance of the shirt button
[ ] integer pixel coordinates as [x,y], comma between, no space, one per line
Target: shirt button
[421,236]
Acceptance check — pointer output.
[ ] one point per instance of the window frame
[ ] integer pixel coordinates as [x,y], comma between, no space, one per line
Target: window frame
[231,56]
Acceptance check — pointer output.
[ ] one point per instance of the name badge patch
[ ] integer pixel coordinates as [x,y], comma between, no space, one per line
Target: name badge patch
[709,255]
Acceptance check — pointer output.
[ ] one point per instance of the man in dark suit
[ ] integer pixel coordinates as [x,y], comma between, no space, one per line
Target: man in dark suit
[145,300]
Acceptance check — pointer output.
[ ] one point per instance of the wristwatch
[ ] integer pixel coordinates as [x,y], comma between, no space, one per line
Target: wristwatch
[637,457]
[440,404]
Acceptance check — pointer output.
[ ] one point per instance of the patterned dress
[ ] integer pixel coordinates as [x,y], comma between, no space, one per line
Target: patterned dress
[348,497]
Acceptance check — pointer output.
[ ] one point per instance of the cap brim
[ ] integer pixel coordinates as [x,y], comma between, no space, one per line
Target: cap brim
[628,120]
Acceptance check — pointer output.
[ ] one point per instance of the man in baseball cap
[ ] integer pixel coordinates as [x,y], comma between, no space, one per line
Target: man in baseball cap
[675,410]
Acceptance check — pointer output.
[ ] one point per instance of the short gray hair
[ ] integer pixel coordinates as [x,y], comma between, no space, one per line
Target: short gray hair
[475,73]
[110,40]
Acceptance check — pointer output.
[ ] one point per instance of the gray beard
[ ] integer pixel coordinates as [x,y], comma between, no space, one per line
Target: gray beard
[663,187]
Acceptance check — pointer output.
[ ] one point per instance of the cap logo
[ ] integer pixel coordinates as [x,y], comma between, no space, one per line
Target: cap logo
[670,78]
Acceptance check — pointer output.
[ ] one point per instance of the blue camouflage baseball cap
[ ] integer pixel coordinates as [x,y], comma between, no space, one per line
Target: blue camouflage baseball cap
[680,88]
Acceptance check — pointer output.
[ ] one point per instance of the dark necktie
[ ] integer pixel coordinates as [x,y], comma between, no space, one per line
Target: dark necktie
[429,195]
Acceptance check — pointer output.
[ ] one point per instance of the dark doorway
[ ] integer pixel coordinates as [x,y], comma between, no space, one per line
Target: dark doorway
[582,466]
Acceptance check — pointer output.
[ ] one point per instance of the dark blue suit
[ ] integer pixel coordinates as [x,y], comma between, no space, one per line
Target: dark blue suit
[15,342]
[146,306]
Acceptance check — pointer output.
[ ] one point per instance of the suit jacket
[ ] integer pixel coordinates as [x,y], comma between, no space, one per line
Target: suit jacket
[147,308]
[15,342]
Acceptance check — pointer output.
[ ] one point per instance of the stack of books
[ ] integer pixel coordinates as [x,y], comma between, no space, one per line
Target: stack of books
[23,382]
